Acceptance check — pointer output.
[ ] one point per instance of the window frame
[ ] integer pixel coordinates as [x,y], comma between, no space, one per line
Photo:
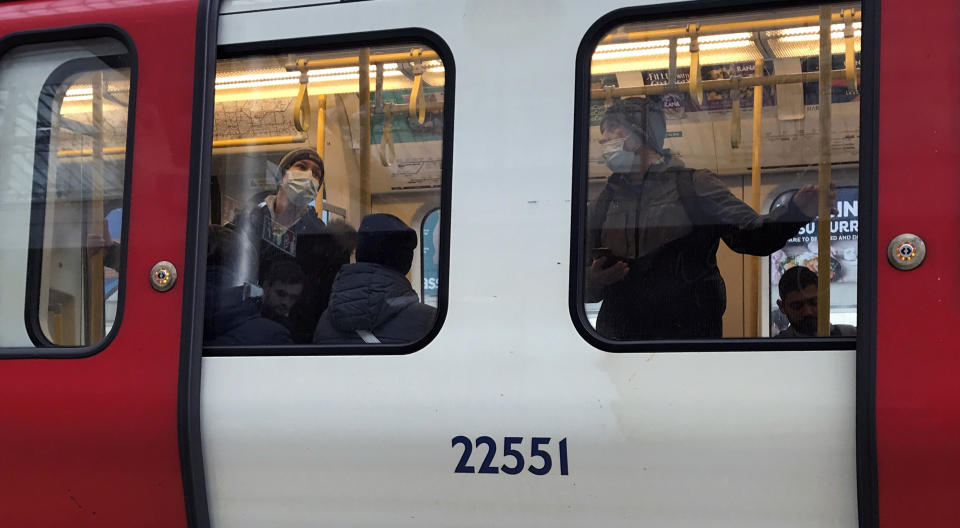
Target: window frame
[866,279]
[43,348]
[367,39]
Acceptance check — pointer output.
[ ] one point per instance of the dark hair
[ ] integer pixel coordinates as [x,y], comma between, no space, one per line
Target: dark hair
[640,115]
[384,239]
[306,153]
[797,278]
[285,271]
[344,238]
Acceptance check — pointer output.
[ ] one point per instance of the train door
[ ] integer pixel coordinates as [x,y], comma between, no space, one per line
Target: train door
[498,407]
[97,104]
[917,397]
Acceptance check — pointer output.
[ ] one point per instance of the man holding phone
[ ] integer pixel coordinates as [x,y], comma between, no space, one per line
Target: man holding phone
[655,229]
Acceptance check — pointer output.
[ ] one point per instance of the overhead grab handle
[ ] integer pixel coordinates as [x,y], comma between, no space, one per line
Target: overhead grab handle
[301,107]
[378,94]
[417,109]
[735,132]
[696,90]
[387,153]
[850,60]
[608,97]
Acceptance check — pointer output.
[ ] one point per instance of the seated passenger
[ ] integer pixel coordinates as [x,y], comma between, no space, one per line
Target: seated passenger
[372,301]
[332,250]
[231,316]
[798,302]
[655,229]
[282,288]
[286,227]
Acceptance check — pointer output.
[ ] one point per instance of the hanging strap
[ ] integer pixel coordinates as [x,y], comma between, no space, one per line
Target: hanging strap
[368,337]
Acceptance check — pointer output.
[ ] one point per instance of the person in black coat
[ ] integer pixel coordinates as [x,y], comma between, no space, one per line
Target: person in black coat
[372,301]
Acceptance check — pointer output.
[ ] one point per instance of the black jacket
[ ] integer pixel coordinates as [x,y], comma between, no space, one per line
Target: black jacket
[667,225]
[375,298]
[230,319]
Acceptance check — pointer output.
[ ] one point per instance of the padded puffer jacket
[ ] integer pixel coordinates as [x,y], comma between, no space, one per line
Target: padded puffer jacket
[373,298]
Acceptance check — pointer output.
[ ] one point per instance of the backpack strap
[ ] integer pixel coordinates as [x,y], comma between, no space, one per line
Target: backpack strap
[688,196]
[368,337]
[596,217]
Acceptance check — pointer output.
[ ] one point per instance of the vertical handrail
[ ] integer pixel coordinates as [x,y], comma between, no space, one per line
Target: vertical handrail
[321,140]
[824,176]
[752,327]
[365,204]
[850,62]
[695,89]
[94,313]
[736,134]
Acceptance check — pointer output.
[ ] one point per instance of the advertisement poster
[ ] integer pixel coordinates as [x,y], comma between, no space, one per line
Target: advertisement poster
[802,251]
[430,257]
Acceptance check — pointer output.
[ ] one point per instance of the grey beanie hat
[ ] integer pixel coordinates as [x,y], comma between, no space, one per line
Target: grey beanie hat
[294,156]
[642,116]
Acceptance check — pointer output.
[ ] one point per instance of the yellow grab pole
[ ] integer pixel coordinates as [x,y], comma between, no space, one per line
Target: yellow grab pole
[752,324]
[718,85]
[365,204]
[321,123]
[271,140]
[850,48]
[695,85]
[823,205]
[72,153]
[321,139]
[371,59]
[95,307]
[731,27]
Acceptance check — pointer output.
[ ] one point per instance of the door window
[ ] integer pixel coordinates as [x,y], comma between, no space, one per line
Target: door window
[65,113]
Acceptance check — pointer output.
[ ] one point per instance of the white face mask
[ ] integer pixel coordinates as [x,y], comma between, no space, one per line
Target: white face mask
[300,187]
[615,157]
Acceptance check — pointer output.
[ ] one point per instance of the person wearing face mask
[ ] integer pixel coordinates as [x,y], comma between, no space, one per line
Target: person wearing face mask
[285,227]
[654,231]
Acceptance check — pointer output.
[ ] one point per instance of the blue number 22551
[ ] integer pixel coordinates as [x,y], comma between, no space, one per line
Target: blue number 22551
[513,454]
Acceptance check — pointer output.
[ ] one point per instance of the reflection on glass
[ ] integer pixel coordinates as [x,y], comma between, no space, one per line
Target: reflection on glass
[320,170]
[64,112]
[692,132]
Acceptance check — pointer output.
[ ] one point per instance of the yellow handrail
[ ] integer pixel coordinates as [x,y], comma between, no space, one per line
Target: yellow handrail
[731,27]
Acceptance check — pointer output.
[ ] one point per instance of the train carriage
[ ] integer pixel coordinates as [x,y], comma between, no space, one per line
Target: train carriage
[165,165]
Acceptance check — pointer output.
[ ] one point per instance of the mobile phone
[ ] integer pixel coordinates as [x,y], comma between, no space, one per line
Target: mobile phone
[606,255]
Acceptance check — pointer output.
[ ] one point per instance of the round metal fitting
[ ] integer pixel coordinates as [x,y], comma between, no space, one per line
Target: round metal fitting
[907,251]
[163,276]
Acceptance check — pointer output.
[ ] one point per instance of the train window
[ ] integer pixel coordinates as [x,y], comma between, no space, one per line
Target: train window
[318,176]
[690,127]
[64,110]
